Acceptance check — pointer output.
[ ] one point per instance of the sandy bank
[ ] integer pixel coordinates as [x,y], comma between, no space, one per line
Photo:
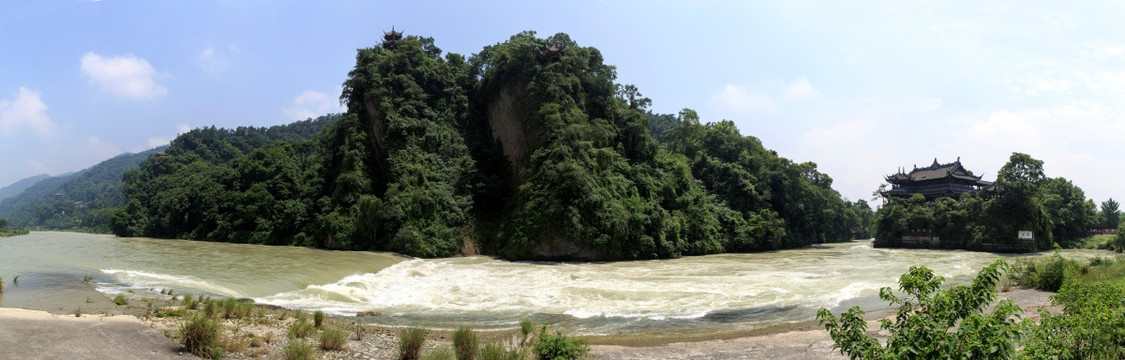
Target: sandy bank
[33,334]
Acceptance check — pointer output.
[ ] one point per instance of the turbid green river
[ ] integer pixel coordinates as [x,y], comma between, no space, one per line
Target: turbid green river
[659,297]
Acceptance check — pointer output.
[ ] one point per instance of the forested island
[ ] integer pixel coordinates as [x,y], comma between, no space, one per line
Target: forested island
[525,150]
[1053,211]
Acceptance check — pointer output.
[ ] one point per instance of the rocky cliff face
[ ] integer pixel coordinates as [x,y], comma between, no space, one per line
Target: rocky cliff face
[506,117]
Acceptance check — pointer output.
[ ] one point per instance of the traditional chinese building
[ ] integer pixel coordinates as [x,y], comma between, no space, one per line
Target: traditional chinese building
[937,180]
[390,40]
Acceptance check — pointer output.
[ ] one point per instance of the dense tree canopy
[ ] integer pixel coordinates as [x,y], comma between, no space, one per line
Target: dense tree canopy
[527,149]
[1054,209]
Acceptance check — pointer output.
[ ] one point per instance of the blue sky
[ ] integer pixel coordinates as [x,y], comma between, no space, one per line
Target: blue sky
[859,87]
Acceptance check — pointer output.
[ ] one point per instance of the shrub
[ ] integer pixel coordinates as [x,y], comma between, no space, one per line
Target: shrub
[465,343]
[1045,274]
[120,299]
[1091,326]
[559,347]
[1,285]
[200,336]
[439,353]
[932,323]
[318,318]
[299,350]
[333,338]
[301,328]
[410,343]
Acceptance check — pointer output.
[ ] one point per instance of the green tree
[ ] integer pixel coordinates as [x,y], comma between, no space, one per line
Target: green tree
[932,323]
[1019,207]
[1069,210]
[1111,214]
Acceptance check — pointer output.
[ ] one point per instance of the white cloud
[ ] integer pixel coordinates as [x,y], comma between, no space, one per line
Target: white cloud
[183,128]
[26,112]
[735,97]
[800,89]
[310,104]
[127,77]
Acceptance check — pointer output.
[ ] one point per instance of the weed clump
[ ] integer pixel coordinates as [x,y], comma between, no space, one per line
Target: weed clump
[120,299]
[410,343]
[301,328]
[188,303]
[527,328]
[318,318]
[201,335]
[299,350]
[497,351]
[439,353]
[559,346]
[465,343]
[332,338]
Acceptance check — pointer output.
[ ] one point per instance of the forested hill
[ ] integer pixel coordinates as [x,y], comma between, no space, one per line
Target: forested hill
[19,186]
[528,149]
[81,200]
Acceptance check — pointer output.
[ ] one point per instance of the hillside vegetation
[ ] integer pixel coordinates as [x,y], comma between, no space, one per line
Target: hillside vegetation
[528,149]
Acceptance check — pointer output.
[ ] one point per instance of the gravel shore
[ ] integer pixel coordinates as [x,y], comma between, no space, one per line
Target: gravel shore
[264,334]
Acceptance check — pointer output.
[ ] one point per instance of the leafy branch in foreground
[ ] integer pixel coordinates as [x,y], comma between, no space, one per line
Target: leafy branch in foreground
[932,323]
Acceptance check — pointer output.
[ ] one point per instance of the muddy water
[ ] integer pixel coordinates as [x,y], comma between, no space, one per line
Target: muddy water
[660,297]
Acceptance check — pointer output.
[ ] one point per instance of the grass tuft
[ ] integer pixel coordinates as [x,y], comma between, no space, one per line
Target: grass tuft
[201,335]
[465,343]
[299,350]
[497,351]
[439,353]
[526,329]
[318,318]
[410,343]
[189,302]
[333,338]
[301,328]
[120,299]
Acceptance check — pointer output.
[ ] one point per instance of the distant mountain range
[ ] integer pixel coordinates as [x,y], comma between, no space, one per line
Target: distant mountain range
[69,201]
[19,186]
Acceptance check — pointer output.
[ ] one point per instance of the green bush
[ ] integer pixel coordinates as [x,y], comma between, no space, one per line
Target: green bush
[410,342]
[120,299]
[465,342]
[200,336]
[332,338]
[1,285]
[439,353]
[318,318]
[299,350]
[1045,274]
[1091,326]
[559,347]
[932,323]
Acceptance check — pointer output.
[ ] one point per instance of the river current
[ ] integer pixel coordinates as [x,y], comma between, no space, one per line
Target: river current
[658,297]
